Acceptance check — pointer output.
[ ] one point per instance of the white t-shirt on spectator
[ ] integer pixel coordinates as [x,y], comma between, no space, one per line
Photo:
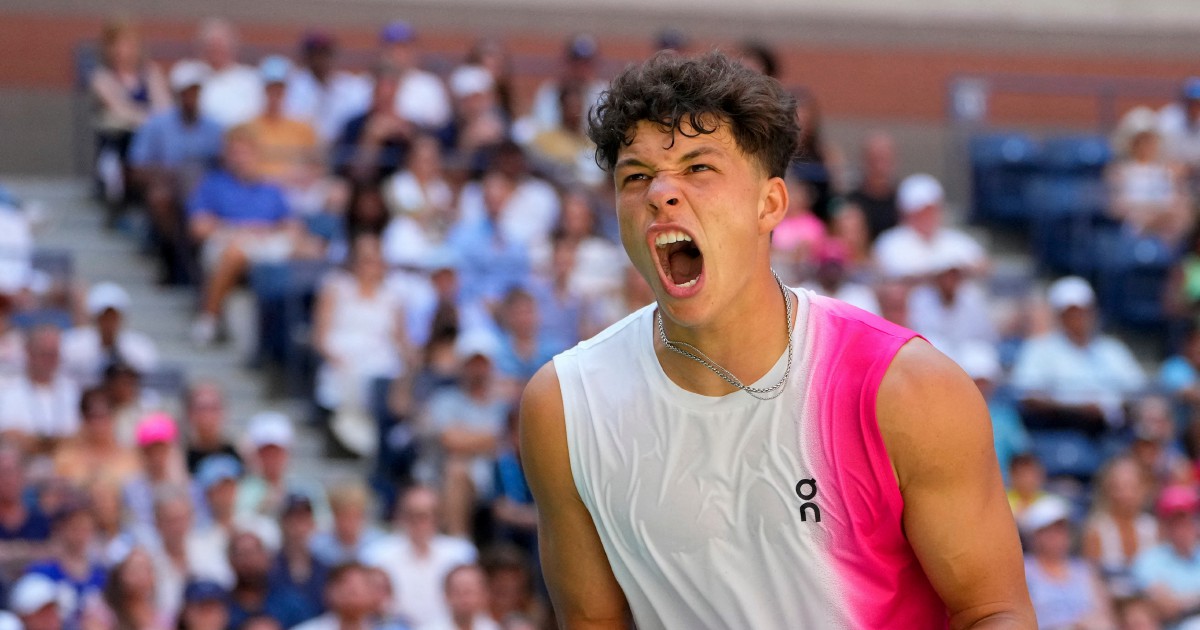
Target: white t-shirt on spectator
[1102,373]
[405,195]
[419,582]
[422,100]
[968,318]
[528,217]
[480,622]
[83,358]
[50,410]
[232,96]
[902,252]
[326,106]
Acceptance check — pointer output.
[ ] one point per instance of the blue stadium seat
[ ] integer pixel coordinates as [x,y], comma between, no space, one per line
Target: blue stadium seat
[1132,279]
[1001,164]
[285,292]
[1086,153]
[1067,453]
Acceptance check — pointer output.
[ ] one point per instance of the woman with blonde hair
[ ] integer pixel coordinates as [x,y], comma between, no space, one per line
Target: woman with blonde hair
[1118,526]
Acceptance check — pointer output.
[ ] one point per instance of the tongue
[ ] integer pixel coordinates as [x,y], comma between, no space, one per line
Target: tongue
[684,266]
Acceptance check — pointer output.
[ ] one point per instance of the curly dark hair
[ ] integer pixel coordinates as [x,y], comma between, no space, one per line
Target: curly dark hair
[669,89]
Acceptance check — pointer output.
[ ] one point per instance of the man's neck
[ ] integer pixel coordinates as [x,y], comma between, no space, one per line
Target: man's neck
[755,321]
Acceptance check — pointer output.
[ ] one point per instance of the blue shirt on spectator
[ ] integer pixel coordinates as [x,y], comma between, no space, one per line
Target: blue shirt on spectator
[35,527]
[489,264]
[238,202]
[90,587]
[310,591]
[1161,565]
[512,365]
[167,140]
[561,315]
[284,605]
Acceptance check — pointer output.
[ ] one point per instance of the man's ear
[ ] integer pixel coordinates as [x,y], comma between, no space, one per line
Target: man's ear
[773,206]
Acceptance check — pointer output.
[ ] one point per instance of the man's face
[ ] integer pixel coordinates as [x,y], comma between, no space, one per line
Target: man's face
[206,412]
[1078,321]
[467,593]
[189,99]
[108,322]
[75,531]
[273,460]
[1179,529]
[702,189]
[418,515]
[298,525]
[241,157]
[174,519]
[248,557]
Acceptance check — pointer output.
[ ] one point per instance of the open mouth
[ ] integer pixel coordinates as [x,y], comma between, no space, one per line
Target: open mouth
[679,258]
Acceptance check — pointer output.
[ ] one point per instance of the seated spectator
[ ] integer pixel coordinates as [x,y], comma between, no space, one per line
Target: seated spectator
[909,250]
[417,558]
[950,310]
[798,237]
[232,92]
[1118,527]
[88,350]
[580,65]
[599,263]
[320,94]
[524,212]
[513,509]
[351,533]
[1155,447]
[72,565]
[296,568]
[561,307]
[523,348]
[875,196]
[848,224]
[383,616]
[238,220]
[467,599]
[490,260]
[818,164]
[130,403]
[35,601]
[510,585]
[565,150]
[24,529]
[1065,590]
[217,482]
[1169,572]
[479,123]
[169,155]
[270,434]
[285,142]
[253,593]
[831,277]
[462,426]
[95,447]
[981,362]
[1147,192]
[129,592]
[359,333]
[43,405]
[491,53]
[1179,124]
[350,599]
[1027,482]
[169,543]
[204,408]
[374,143]
[204,607]
[161,468]
[420,201]
[126,90]
[112,534]
[421,97]
[1074,378]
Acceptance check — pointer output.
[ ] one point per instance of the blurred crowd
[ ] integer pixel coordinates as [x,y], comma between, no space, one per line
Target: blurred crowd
[463,235]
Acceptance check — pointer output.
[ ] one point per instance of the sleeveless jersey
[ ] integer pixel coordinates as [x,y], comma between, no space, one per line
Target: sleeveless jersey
[733,512]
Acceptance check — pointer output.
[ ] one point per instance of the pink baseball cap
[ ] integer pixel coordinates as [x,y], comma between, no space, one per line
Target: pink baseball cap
[155,428]
[1177,499]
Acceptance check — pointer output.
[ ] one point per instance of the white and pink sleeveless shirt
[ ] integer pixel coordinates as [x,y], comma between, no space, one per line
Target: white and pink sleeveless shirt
[732,512]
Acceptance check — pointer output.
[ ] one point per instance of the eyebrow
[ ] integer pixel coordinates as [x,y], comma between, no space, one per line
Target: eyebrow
[686,157]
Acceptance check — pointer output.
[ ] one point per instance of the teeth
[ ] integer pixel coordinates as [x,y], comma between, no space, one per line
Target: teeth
[689,283]
[674,236]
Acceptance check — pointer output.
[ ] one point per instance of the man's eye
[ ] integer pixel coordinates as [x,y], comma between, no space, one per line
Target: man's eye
[635,177]
[696,168]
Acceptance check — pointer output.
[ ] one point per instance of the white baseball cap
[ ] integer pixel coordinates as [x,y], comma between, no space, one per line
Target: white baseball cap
[1044,512]
[917,192]
[470,80]
[270,428]
[479,342]
[32,593]
[107,295]
[188,73]
[1070,291]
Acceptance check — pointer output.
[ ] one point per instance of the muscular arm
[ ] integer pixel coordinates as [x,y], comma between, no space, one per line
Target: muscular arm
[937,431]
[586,596]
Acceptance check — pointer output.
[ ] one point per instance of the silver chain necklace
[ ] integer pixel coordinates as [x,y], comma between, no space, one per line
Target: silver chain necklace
[695,354]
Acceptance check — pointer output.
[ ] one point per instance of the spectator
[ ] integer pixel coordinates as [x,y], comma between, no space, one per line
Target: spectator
[374,143]
[359,332]
[233,92]
[491,55]
[491,260]
[296,568]
[286,143]
[122,385]
[579,67]
[599,266]
[204,607]
[1066,592]
[104,494]
[320,94]
[169,543]
[350,598]
[467,600]
[34,600]
[910,249]
[1118,528]
[893,301]
[1179,124]
[217,481]
[95,448]
[950,310]
[510,585]
[1073,378]
[420,201]
[1169,572]
[1148,193]
[238,220]
[384,617]
[523,346]
[24,529]
[832,277]
[561,306]
[1154,447]
[270,435]
[818,163]
[1028,480]
[351,532]
[204,406]
[130,594]
[420,97]
[463,425]
[566,149]
[849,225]
[876,193]
[161,466]
[798,237]
[72,565]
[44,403]
[253,593]
[417,558]
[126,90]
[981,362]
[88,350]
[527,213]
[479,123]
[169,155]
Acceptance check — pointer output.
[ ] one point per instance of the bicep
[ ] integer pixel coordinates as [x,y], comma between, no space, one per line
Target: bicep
[956,517]
[581,583]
